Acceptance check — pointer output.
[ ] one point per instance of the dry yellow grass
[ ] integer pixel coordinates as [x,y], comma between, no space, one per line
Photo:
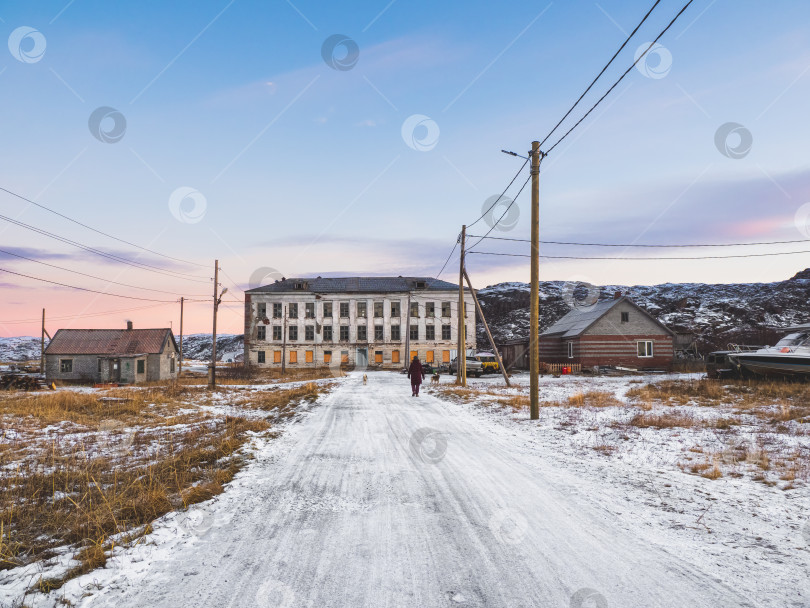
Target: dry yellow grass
[593,399]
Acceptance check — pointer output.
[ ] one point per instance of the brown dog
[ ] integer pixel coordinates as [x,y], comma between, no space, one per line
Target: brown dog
[434,379]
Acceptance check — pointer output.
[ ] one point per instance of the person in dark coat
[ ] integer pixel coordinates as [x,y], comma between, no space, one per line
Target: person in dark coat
[416,373]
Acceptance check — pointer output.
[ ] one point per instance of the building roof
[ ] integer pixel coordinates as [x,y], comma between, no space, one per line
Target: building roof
[576,322]
[109,341]
[356,285]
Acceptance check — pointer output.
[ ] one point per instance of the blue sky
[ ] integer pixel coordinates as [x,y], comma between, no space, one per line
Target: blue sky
[304,168]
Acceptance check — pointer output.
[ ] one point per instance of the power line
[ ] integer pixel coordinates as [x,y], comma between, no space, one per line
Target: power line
[508,207]
[615,84]
[94,314]
[499,238]
[641,259]
[141,265]
[492,206]
[70,219]
[607,65]
[22,257]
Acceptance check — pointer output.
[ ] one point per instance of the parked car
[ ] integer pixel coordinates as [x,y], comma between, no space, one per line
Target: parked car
[490,363]
[474,366]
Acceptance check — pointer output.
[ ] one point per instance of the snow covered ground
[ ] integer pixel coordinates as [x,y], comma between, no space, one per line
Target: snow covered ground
[375,498]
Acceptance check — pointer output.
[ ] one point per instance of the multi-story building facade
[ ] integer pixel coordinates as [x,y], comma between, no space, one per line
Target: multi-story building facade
[357,321]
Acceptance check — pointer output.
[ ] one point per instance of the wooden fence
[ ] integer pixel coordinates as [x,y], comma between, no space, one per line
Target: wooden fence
[556,368]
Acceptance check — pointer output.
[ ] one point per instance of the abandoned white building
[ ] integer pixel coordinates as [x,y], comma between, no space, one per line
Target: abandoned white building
[116,356]
[358,321]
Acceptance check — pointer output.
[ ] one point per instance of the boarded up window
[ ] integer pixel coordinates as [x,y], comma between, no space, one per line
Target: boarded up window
[327,356]
[293,356]
[394,356]
[277,356]
[378,356]
[344,356]
[309,356]
[429,356]
[413,354]
[445,356]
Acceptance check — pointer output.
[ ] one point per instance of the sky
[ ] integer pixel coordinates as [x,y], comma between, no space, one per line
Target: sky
[304,138]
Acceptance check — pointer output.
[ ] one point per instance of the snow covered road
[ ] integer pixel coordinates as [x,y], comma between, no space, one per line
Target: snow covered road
[379,499]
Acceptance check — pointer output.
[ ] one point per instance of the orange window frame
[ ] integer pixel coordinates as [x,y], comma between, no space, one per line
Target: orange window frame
[445,356]
[395,356]
[293,356]
[308,356]
[277,356]
[429,356]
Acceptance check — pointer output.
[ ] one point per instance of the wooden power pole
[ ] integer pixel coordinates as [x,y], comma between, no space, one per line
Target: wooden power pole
[212,382]
[534,310]
[42,346]
[486,327]
[284,341]
[461,359]
[180,369]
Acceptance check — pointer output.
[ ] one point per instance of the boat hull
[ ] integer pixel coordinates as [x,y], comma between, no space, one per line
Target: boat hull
[774,364]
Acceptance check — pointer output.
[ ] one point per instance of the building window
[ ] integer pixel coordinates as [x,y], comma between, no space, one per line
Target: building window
[260,356]
[421,285]
[309,310]
[394,356]
[344,310]
[141,366]
[395,309]
[276,356]
[327,356]
[362,309]
[293,308]
[362,333]
[445,356]
[446,329]
[301,285]
[429,356]
[308,356]
[377,356]
[293,356]
[430,309]
[327,309]
[261,310]
[430,332]
[414,332]
[293,332]
[277,310]
[378,333]
[413,354]
[645,348]
[344,356]
[395,333]
[344,333]
[327,333]
[66,366]
[570,350]
[414,309]
[261,332]
[171,365]
[277,332]
[625,317]
[309,332]
[378,310]
[446,309]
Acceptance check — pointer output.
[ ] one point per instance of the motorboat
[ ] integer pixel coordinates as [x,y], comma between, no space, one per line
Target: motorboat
[788,357]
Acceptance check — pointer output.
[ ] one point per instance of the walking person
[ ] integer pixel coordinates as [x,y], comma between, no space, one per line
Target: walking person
[416,373]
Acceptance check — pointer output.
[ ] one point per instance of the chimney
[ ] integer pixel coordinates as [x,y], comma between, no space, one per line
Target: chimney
[129,325]
[617,295]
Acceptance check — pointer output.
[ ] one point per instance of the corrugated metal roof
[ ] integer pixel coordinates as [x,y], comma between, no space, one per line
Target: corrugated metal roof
[580,319]
[108,341]
[356,285]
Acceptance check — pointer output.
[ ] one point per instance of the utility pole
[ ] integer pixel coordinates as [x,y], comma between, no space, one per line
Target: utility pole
[217,300]
[408,334]
[462,338]
[284,342]
[42,346]
[534,321]
[486,327]
[180,369]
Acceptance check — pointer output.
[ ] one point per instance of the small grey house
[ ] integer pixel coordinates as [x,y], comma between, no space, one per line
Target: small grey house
[127,356]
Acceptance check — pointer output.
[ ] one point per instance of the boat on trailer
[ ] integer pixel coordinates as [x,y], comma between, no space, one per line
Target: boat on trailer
[788,357]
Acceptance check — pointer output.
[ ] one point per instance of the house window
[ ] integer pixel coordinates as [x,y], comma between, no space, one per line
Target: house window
[446,309]
[293,356]
[421,285]
[327,333]
[309,332]
[260,356]
[344,333]
[570,350]
[430,309]
[99,365]
[394,356]
[261,310]
[293,332]
[414,309]
[276,310]
[445,356]
[327,356]
[66,366]
[301,285]
[277,332]
[395,309]
[395,333]
[625,317]
[141,366]
[362,333]
[429,356]
[430,332]
[377,356]
[293,311]
[378,333]
[171,365]
[276,356]
[645,348]
[344,310]
[446,329]
[309,310]
[362,309]
[414,332]
[261,332]
[344,356]
[327,309]
[308,356]
[378,310]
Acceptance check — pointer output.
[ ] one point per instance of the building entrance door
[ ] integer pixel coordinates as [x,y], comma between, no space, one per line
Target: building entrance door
[362,357]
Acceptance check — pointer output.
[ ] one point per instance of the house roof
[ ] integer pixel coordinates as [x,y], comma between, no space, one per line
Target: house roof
[109,341]
[356,285]
[576,322]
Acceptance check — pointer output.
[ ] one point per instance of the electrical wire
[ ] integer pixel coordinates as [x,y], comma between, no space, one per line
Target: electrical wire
[70,219]
[615,84]
[492,206]
[642,259]
[590,86]
[82,315]
[508,207]
[498,238]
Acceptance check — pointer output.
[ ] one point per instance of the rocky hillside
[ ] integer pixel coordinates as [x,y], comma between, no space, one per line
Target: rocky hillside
[716,314]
